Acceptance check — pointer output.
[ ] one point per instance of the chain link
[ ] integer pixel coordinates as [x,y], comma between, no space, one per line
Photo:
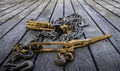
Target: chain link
[75,24]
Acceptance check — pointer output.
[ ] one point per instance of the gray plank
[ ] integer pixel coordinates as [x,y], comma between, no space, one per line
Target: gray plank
[58,12]
[117,1]
[8,2]
[14,13]
[111,18]
[105,55]
[15,36]
[45,61]
[68,8]
[105,25]
[30,34]
[9,25]
[112,3]
[3,13]
[82,57]
[7,6]
[109,7]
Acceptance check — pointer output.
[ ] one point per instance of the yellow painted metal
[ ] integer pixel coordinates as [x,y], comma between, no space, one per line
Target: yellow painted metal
[68,46]
[76,43]
[68,49]
[66,52]
[46,26]
[34,25]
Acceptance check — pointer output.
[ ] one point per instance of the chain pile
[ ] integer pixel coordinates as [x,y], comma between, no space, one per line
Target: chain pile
[75,24]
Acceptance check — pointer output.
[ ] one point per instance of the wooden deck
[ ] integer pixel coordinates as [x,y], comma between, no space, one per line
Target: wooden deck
[103,17]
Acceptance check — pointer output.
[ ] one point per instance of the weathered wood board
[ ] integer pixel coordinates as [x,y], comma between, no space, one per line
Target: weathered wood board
[103,17]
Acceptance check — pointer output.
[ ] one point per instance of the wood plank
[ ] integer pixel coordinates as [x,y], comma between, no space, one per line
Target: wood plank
[9,25]
[110,8]
[105,55]
[117,1]
[112,30]
[8,2]
[68,8]
[2,1]
[14,13]
[45,61]
[82,57]
[30,34]
[112,3]
[15,36]
[111,18]
[3,13]
[58,12]
[77,64]
[100,56]
[5,7]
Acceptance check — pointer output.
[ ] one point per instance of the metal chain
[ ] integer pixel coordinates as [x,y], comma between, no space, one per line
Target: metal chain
[12,65]
[76,23]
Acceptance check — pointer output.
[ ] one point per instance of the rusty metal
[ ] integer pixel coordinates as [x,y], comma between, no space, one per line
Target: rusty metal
[59,28]
[24,66]
[12,65]
[63,53]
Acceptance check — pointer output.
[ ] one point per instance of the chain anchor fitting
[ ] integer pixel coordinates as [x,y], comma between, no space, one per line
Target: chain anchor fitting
[64,54]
